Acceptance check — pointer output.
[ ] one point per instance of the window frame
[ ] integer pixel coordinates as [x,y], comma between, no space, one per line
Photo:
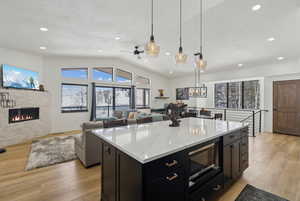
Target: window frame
[107,81]
[242,95]
[144,106]
[74,111]
[77,78]
[116,76]
[142,77]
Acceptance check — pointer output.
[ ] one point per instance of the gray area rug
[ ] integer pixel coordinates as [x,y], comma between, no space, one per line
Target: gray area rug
[250,193]
[50,151]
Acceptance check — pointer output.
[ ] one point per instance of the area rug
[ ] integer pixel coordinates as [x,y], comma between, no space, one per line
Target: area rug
[50,151]
[250,193]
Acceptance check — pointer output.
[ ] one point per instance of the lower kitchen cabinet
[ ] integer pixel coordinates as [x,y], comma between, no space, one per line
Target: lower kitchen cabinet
[168,178]
[167,188]
[235,158]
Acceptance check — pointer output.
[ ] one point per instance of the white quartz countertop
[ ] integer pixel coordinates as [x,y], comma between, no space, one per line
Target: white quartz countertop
[147,142]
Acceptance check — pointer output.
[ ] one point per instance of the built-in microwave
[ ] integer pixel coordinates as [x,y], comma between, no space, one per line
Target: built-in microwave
[204,163]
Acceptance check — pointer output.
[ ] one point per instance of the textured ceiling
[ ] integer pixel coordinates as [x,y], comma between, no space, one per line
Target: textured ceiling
[233,32]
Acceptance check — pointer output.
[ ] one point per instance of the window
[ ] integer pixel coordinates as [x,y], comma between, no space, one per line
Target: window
[104,102]
[139,80]
[78,73]
[243,95]
[251,94]
[74,98]
[103,74]
[123,76]
[109,99]
[221,95]
[142,98]
[235,95]
[122,98]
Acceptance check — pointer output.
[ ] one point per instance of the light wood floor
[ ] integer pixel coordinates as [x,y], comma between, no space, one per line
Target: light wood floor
[274,167]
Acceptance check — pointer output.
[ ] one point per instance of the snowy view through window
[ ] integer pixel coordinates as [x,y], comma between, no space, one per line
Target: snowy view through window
[241,95]
[74,97]
[106,97]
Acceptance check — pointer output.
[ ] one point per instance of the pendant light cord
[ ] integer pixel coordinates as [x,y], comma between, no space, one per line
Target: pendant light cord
[152,33]
[201,27]
[180,39]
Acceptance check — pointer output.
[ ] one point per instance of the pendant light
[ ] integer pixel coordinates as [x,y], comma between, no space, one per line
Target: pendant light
[199,61]
[151,48]
[180,57]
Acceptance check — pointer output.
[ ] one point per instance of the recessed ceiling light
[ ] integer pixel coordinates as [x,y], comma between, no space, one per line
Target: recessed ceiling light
[100,51]
[117,38]
[271,39]
[256,7]
[280,58]
[240,65]
[171,72]
[44,29]
[168,53]
[43,48]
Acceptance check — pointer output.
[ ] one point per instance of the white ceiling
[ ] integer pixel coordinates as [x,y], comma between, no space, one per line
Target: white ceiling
[233,32]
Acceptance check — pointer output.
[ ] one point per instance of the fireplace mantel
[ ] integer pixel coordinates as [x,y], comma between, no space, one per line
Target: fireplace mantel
[14,133]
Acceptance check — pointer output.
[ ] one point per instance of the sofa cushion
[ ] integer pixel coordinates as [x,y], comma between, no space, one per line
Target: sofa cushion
[118,114]
[142,115]
[157,117]
[92,125]
[132,115]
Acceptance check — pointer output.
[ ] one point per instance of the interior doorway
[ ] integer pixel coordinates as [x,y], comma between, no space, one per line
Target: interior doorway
[286,107]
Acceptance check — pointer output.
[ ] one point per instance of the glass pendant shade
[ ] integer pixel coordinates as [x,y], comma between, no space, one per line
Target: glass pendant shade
[152,49]
[180,57]
[201,64]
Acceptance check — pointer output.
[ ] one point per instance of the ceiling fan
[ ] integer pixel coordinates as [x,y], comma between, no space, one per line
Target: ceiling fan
[136,52]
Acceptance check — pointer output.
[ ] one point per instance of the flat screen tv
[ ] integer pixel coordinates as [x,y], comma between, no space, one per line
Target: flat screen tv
[19,78]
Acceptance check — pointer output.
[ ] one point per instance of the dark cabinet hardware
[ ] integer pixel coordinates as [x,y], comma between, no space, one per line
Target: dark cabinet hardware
[171,178]
[218,187]
[173,163]
[107,149]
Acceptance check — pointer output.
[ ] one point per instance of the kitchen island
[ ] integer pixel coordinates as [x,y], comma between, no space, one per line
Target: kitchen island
[193,162]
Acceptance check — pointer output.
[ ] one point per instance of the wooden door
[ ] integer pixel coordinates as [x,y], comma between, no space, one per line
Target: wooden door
[286,107]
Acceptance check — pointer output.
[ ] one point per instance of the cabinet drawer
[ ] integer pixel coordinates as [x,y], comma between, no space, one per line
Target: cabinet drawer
[164,166]
[208,190]
[169,187]
[230,138]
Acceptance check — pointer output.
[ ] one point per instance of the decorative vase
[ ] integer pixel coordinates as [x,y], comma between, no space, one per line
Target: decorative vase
[161,92]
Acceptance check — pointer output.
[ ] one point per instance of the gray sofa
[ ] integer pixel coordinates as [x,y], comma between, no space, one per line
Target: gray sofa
[87,146]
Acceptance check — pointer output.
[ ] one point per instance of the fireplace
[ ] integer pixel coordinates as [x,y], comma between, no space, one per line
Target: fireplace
[23,114]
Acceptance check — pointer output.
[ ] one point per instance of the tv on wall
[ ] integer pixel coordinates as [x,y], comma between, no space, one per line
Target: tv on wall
[19,78]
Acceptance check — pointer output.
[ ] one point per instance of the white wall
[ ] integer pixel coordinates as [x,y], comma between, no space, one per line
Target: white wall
[71,121]
[285,70]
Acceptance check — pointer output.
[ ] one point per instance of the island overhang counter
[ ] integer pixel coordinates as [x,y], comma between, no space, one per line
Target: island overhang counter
[153,161]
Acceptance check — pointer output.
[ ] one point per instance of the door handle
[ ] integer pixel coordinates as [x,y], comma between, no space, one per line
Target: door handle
[275,109]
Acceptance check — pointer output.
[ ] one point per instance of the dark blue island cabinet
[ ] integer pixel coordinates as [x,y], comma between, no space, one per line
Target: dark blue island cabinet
[198,173]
